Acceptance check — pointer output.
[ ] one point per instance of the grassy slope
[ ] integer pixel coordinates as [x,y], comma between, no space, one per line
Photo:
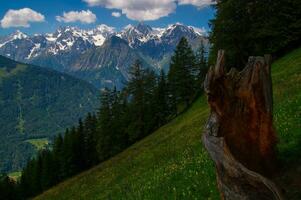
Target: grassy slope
[40,143]
[169,163]
[172,164]
[15,175]
[287,119]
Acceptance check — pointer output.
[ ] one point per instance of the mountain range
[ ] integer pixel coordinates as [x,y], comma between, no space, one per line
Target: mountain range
[37,103]
[101,55]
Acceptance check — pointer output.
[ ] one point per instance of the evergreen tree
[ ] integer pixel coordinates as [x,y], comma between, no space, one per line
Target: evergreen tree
[201,67]
[119,122]
[245,28]
[90,140]
[181,77]
[47,169]
[30,179]
[58,158]
[137,94]
[104,126]
[69,165]
[8,189]
[161,107]
[150,87]
[79,146]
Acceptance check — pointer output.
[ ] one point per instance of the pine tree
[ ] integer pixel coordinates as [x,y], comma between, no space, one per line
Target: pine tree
[68,164]
[119,121]
[201,67]
[58,158]
[104,126]
[8,190]
[78,145]
[124,119]
[246,28]
[90,140]
[161,101]
[47,169]
[150,87]
[137,94]
[181,77]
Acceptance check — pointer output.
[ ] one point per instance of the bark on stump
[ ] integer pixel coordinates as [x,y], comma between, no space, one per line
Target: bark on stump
[239,134]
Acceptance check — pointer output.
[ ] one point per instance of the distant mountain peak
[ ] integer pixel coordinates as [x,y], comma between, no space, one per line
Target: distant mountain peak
[143,28]
[127,27]
[115,41]
[105,28]
[18,35]
[67,28]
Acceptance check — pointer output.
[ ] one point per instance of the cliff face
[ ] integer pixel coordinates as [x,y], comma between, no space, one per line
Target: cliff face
[239,134]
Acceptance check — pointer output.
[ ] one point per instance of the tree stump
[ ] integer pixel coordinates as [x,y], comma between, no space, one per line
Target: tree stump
[239,134]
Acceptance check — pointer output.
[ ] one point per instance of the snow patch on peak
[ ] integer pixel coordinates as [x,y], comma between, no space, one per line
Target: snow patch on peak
[33,51]
[105,28]
[98,35]
[19,35]
[172,26]
[50,37]
[98,40]
[4,43]
[158,32]
[200,31]
[128,27]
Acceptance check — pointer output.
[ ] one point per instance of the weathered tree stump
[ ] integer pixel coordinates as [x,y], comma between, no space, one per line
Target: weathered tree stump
[239,134]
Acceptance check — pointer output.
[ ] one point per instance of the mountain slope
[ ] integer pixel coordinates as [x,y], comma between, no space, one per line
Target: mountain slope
[37,103]
[106,66]
[172,164]
[169,163]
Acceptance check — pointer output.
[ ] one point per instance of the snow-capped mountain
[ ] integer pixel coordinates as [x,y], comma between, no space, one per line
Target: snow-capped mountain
[77,51]
[137,35]
[17,35]
[100,34]
[158,43]
[62,40]
[143,34]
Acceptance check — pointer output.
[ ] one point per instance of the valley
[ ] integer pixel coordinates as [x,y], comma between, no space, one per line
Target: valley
[36,104]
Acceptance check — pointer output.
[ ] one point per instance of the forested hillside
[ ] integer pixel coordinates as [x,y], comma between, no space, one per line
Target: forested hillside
[123,118]
[143,140]
[172,164]
[36,104]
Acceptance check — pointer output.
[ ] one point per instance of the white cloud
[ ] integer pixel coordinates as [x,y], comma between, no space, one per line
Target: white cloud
[145,10]
[21,18]
[140,10]
[86,17]
[197,3]
[116,14]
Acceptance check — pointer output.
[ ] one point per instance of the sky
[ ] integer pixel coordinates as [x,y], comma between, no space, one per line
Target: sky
[45,16]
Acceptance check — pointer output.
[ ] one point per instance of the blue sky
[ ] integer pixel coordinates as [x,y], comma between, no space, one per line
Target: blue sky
[157,13]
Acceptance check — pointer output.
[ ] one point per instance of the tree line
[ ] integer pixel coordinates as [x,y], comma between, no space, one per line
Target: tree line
[124,117]
[252,28]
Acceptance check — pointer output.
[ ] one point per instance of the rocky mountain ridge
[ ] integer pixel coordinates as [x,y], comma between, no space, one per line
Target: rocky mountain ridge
[80,52]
